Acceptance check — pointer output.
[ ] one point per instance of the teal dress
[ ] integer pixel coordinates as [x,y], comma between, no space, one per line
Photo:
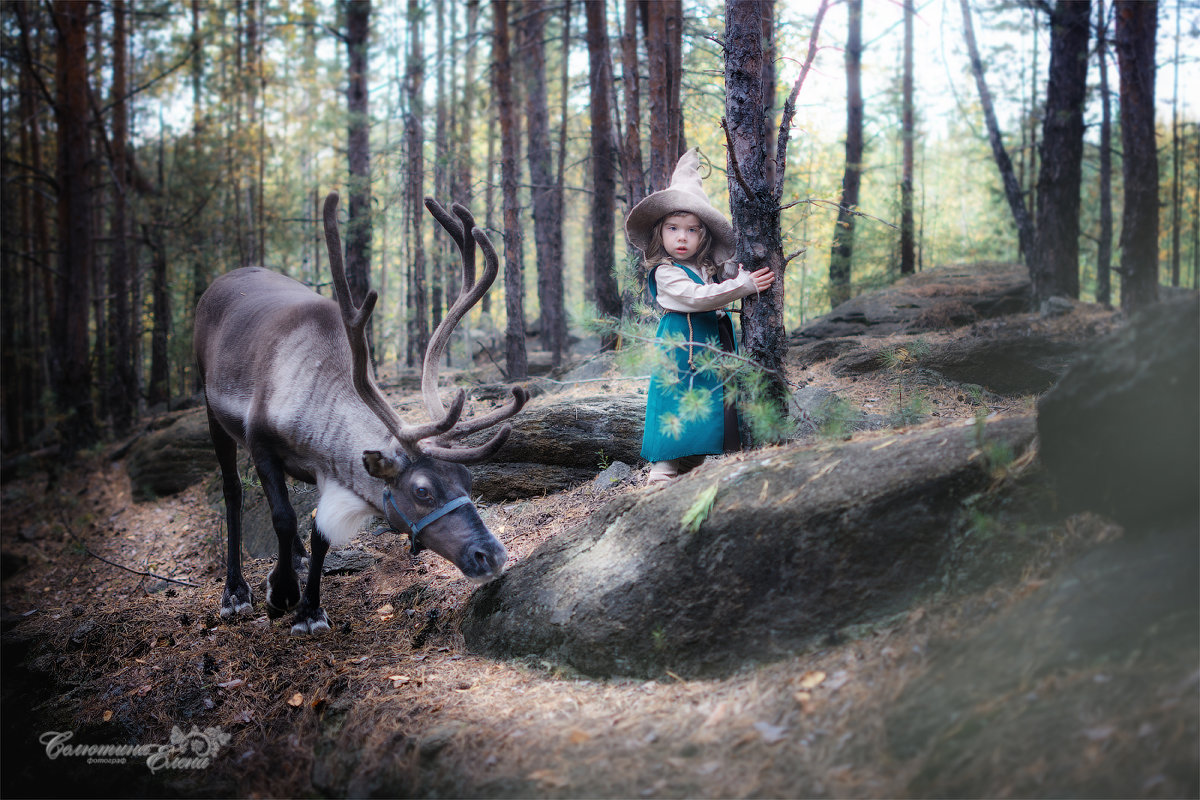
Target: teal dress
[711,433]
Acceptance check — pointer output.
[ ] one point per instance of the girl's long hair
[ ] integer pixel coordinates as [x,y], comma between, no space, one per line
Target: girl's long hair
[657,255]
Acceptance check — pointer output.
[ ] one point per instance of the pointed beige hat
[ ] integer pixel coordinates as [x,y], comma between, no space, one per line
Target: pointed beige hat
[686,193]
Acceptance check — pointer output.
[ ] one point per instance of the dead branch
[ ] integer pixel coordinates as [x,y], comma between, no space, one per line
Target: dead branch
[75,538]
[789,107]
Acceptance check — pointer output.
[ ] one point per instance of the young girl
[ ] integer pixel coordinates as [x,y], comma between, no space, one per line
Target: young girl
[686,243]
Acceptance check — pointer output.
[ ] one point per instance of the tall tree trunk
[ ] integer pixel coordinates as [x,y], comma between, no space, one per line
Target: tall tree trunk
[1175,171]
[753,202]
[159,390]
[673,23]
[1035,113]
[1137,24]
[69,356]
[514,287]
[439,291]
[1054,261]
[842,253]
[1012,189]
[1104,248]
[37,285]
[547,213]
[418,297]
[122,388]
[658,90]
[358,152]
[635,180]
[468,103]
[908,254]
[489,198]
[604,166]
[769,78]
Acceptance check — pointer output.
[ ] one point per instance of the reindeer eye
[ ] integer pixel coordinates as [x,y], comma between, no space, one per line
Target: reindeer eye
[423,493]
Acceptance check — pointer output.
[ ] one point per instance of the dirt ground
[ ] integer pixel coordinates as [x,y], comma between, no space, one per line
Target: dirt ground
[390,702]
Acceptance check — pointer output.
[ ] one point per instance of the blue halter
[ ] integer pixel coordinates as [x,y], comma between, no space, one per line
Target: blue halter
[415,528]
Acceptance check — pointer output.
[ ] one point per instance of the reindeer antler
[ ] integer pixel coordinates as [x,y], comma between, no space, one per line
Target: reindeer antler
[355,318]
[466,235]
[444,426]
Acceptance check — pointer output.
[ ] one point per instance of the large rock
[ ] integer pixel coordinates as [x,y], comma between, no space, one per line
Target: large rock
[944,297]
[799,542]
[1098,666]
[1120,431]
[1012,356]
[561,444]
[169,459]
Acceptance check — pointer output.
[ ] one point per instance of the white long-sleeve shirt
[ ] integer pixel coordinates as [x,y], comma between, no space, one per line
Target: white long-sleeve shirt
[678,292]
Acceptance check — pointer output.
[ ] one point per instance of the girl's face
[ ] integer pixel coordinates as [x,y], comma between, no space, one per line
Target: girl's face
[682,235]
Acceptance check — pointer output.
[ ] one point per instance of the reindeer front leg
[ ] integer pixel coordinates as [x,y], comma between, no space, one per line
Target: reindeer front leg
[310,617]
[236,599]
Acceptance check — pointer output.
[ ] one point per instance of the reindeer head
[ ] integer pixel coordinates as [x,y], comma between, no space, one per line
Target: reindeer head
[428,488]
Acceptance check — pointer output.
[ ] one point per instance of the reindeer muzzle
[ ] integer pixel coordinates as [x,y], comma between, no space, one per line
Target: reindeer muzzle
[415,528]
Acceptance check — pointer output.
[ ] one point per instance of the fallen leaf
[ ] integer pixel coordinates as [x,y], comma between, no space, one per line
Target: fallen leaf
[296,700]
[399,680]
[386,608]
[577,736]
[107,716]
[233,684]
[812,679]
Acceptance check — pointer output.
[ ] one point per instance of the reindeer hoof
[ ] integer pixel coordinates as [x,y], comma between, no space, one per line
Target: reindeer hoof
[283,594]
[236,600]
[310,623]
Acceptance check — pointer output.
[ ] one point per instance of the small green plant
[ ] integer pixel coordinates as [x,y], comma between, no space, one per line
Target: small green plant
[996,455]
[898,359]
[658,638]
[603,460]
[910,412]
[835,418]
[694,517]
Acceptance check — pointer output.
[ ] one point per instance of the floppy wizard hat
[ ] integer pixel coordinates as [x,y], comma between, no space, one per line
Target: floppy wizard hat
[686,193]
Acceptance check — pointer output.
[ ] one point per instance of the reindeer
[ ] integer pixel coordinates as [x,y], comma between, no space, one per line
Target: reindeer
[286,376]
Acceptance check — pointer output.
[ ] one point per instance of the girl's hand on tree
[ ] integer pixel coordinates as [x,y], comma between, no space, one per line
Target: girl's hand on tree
[763,278]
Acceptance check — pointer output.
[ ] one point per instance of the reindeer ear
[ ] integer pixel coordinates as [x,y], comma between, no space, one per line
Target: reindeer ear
[386,468]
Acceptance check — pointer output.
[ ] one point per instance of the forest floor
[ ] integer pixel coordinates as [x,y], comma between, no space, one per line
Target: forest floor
[390,702]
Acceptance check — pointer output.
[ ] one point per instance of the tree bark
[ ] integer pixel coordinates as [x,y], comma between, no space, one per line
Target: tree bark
[753,202]
[358,153]
[1175,147]
[69,347]
[908,255]
[122,388]
[842,253]
[658,92]
[1012,189]
[418,296]
[1137,24]
[631,159]
[1104,248]
[604,165]
[25,385]
[516,359]
[547,211]
[1054,260]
